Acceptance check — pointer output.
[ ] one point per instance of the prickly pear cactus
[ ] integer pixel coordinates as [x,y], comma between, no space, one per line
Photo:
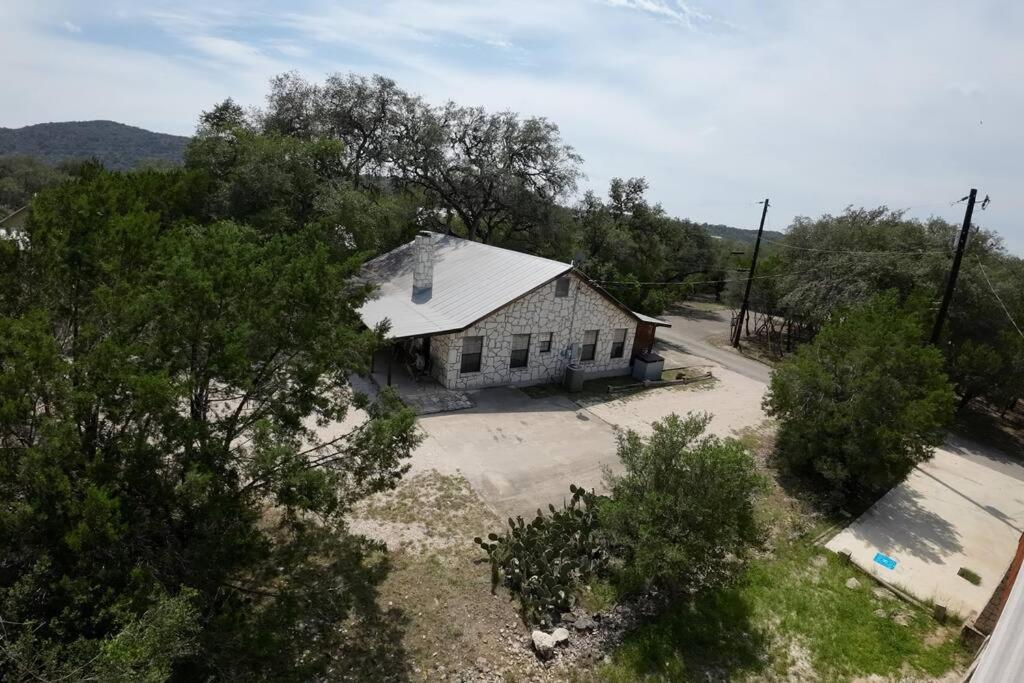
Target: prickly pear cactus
[542,562]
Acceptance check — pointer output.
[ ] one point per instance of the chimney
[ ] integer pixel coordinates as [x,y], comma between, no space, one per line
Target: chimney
[423,266]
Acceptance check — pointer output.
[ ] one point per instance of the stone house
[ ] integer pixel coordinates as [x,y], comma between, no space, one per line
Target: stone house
[472,315]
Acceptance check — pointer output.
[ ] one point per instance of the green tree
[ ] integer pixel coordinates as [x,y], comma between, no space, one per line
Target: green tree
[682,513]
[627,241]
[492,177]
[863,403]
[20,178]
[171,504]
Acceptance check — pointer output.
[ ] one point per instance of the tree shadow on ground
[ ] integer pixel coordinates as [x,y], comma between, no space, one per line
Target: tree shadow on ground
[711,638]
[900,522]
[982,423]
[373,649]
[897,519]
[693,313]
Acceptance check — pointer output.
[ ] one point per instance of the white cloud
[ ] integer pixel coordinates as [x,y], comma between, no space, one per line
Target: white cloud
[674,11]
[71,28]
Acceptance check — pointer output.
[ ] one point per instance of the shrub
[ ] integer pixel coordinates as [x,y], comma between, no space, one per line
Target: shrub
[542,563]
[863,403]
[682,515]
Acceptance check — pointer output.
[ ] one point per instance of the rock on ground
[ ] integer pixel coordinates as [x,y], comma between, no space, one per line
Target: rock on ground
[585,623]
[883,593]
[543,643]
[852,583]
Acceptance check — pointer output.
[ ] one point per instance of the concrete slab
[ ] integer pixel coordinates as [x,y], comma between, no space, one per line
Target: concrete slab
[734,401]
[519,453]
[963,508]
[421,393]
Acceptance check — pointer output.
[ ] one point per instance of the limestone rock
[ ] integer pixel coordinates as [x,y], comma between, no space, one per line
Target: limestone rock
[852,583]
[543,644]
[883,593]
[585,623]
[561,635]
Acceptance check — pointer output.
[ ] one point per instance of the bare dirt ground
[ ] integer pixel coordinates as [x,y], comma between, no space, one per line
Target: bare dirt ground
[454,628]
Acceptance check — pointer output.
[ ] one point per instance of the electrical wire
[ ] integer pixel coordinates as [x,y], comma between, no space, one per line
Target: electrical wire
[998,298]
[854,251]
[684,282]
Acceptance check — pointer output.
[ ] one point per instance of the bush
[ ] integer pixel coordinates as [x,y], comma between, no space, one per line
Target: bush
[543,562]
[682,515]
[864,403]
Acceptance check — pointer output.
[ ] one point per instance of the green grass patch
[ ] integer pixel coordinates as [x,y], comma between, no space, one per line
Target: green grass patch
[969,575]
[597,596]
[792,617]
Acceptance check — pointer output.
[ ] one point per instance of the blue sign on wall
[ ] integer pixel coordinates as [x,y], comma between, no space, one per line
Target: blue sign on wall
[885,561]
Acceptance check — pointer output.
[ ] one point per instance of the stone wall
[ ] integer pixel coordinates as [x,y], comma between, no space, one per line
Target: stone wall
[423,264]
[537,314]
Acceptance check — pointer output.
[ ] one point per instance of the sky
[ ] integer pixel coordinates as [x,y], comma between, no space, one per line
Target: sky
[816,105]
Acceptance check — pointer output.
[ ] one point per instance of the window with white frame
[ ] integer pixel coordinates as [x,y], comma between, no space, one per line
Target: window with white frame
[544,345]
[618,342]
[589,348]
[472,351]
[520,351]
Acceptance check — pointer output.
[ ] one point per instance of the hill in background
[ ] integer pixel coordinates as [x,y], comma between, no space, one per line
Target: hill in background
[121,147]
[747,236]
[116,145]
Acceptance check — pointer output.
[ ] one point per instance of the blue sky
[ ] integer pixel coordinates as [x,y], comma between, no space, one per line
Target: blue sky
[816,105]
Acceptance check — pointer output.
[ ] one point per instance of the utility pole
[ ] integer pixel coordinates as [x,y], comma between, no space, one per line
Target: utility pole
[750,279]
[955,270]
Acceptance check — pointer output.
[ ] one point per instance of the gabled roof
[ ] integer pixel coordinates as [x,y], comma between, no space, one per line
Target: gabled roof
[657,322]
[471,281]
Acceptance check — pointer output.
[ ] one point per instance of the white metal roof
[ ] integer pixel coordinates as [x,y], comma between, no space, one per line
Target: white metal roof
[471,280]
[651,319]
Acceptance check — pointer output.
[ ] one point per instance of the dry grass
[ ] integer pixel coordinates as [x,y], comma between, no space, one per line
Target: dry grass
[439,579]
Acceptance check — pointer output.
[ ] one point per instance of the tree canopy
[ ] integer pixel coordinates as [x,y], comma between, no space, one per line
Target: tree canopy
[485,176]
[173,493]
[833,262]
[864,402]
[682,513]
[637,249]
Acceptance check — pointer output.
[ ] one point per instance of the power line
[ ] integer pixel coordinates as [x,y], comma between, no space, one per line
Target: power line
[684,282]
[855,251]
[998,298]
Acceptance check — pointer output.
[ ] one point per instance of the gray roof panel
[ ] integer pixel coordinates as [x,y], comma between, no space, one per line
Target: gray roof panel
[471,280]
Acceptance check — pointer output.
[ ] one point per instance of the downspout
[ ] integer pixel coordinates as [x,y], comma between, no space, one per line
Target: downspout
[572,324]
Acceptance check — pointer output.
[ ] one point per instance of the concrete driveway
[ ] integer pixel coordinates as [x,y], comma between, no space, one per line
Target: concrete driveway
[521,453]
[964,508]
[692,332]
